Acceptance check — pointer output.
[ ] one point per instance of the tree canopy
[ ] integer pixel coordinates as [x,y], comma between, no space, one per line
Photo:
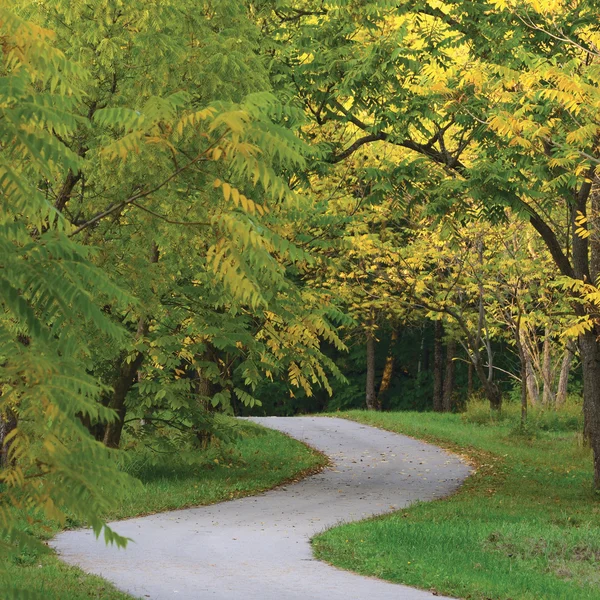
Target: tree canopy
[248,205]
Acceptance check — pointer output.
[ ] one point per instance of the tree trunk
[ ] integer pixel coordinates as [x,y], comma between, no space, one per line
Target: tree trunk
[449,377]
[533,390]
[388,369]
[490,389]
[523,368]
[493,394]
[67,189]
[563,380]
[371,398]
[421,352]
[548,393]
[524,386]
[590,360]
[438,368]
[126,376]
[8,423]
[204,391]
[125,379]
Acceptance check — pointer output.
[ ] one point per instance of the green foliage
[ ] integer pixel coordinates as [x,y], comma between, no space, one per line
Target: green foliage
[184,159]
[206,205]
[149,260]
[49,297]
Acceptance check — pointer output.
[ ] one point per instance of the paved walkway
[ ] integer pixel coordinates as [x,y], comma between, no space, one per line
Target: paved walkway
[257,548]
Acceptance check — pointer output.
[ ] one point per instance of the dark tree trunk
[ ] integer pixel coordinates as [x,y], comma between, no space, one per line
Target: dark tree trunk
[126,376]
[388,369]
[589,347]
[371,398]
[590,362]
[490,389]
[124,381]
[449,377]
[533,390]
[204,391]
[438,367]
[8,423]
[67,190]
[523,370]
[523,388]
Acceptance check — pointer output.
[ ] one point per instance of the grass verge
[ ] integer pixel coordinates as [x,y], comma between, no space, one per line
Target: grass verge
[258,460]
[525,525]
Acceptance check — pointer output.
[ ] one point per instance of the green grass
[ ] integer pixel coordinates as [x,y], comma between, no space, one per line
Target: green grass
[526,525]
[260,459]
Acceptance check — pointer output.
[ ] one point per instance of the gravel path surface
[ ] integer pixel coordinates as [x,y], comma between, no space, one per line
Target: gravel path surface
[257,548]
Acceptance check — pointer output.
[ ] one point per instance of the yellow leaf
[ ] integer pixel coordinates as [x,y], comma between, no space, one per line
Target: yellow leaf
[226,191]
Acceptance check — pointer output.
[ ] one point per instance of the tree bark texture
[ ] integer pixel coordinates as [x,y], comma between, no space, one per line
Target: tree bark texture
[126,377]
[590,360]
[127,374]
[492,392]
[548,397]
[563,380]
[66,190]
[388,369]
[523,370]
[589,347]
[370,396]
[533,389]
[524,382]
[205,389]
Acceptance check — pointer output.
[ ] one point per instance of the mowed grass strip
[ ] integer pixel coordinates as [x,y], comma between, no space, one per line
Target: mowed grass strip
[259,460]
[525,525]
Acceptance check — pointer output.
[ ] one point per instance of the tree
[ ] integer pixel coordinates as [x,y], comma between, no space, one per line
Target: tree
[500,98]
[148,258]
[49,294]
[217,193]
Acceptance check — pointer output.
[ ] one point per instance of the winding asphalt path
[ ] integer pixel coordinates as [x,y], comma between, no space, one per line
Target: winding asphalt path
[257,548]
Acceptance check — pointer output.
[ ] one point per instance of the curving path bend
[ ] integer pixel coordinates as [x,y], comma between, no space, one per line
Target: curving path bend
[257,548]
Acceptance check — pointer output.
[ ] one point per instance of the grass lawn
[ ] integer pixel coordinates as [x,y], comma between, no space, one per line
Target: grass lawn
[526,525]
[260,459]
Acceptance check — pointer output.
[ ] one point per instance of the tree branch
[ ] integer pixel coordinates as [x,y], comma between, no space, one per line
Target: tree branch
[367,139]
[141,194]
